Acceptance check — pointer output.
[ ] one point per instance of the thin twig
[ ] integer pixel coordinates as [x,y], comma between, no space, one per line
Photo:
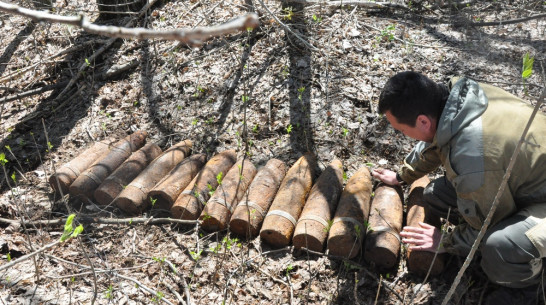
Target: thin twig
[495,203]
[108,221]
[183,280]
[140,285]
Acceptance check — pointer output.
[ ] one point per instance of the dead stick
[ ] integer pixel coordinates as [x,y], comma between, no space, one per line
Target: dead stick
[33,92]
[193,36]
[501,22]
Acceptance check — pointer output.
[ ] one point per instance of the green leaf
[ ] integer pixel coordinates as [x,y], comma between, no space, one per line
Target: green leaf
[77,231]
[68,227]
[3,159]
[527,68]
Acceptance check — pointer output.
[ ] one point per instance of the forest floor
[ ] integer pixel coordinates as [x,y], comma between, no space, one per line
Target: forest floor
[266,94]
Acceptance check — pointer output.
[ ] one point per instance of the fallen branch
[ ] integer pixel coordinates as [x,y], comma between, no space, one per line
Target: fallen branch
[32,92]
[365,4]
[78,47]
[108,221]
[193,37]
[501,22]
[29,256]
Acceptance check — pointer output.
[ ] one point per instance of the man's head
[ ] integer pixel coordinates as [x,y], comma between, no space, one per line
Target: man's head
[413,103]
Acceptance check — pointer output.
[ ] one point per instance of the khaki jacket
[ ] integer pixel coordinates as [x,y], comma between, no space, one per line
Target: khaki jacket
[475,139]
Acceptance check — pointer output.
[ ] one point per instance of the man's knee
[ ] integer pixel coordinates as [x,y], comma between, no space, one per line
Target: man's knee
[507,260]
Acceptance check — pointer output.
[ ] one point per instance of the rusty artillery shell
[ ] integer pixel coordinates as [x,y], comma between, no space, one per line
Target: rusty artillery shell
[85,185]
[419,261]
[349,224]
[134,198]
[314,222]
[384,225]
[66,175]
[250,212]
[169,188]
[217,212]
[280,221]
[125,173]
[190,203]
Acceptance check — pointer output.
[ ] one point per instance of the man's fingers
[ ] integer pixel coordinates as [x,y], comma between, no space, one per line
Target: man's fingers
[413,229]
[425,225]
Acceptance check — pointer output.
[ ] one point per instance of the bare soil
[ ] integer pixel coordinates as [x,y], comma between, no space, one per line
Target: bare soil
[265,94]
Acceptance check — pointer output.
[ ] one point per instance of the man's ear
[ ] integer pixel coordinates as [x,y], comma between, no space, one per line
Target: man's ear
[423,122]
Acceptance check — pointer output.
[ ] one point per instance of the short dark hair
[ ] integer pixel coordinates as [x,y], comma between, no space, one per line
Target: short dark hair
[409,94]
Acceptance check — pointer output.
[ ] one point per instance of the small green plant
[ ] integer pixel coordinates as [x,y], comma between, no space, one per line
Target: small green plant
[301,90]
[288,269]
[370,164]
[196,255]
[3,159]
[69,231]
[527,69]
[285,71]
[387,33]
[358,231]
[109,292]
[350,266]
[230,242]
[345,131]
[289,128]
[87,63]
[153,201]
[8,257]
[244,98]
[160,260]
[219,178]
[211,189]
[288,13]
[157,298]
[316,19]
[330,223]
[345,176]
[206,216]
[255,129]
[14,177]
[49,146]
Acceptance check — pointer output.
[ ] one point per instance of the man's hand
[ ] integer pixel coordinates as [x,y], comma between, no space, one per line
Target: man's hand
[422,238]
[385,175]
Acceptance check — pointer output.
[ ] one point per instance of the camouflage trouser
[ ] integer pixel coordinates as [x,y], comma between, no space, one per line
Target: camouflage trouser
[512,251]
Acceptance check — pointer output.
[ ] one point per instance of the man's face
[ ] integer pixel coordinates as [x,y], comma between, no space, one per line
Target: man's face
[424,129]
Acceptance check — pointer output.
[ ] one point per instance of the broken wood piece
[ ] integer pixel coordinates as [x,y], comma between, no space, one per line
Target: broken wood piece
[125,173]
[349,225]
[217,211]
[134,198]
[166,191]
[251,210]
[315,219]
[280,221]
[420,262]
[384,225]
[191,201]
[61,180]
[85,185]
